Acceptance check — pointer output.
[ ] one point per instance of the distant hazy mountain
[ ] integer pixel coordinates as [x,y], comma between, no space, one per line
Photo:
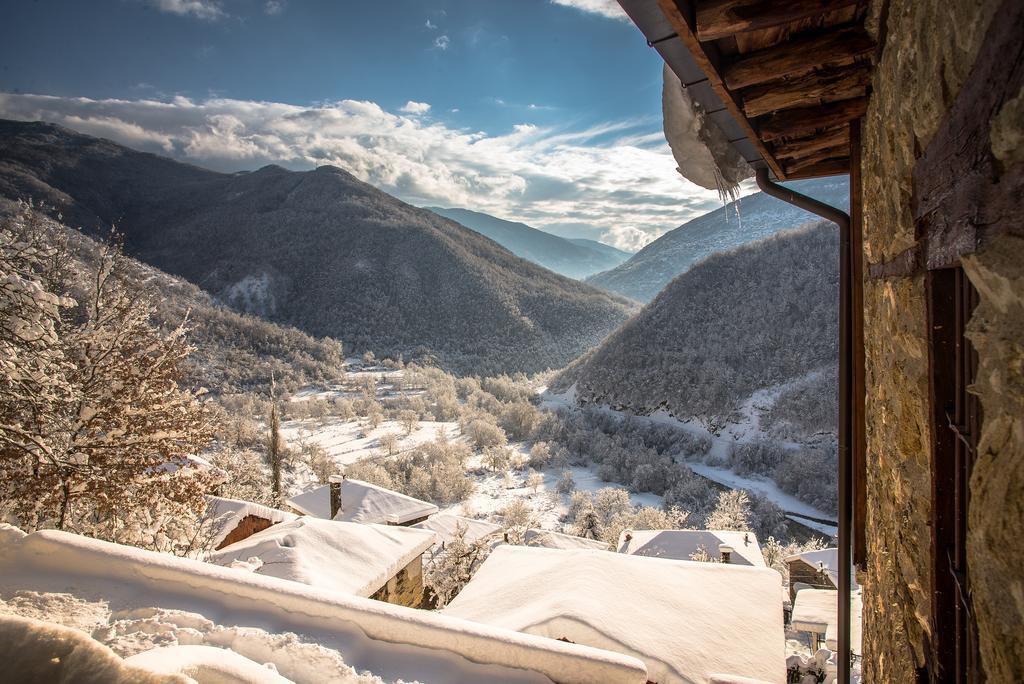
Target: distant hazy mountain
[572,258]
[759,316]
[318,250]
[749,218]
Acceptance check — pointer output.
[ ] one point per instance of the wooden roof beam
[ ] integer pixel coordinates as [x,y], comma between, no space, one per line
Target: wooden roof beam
[796,123]
[722,18]
[837,152]
[810,89]
[795,149]
[798,57]
[829,167]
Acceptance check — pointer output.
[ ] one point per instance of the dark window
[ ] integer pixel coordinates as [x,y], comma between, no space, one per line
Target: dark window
[956,421]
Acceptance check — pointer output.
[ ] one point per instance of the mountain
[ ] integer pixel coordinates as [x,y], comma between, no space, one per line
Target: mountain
[572,258]
[759,316]
[601,247]
[748,218]
[318,250]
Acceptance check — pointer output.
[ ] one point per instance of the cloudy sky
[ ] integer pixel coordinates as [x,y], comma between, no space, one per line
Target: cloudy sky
[542,111]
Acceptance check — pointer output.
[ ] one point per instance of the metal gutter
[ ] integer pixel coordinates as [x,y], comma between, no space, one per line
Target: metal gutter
[842,219]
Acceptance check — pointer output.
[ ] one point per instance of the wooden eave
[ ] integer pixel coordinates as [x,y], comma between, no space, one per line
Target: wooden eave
[790,76]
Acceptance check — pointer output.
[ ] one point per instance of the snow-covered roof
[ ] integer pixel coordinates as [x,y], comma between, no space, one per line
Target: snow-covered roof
[817,610]
[681,544]
[824,558]
[856,619]
[686,620]
[362,502]
[393,642]
[446,526]
[556,540]
[354,558]
[227,513]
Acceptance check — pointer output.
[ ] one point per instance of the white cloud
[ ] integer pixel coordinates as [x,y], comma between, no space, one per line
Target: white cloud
[209,10]
[442,42]
[273,7]
[411,107]
[606,8]
[430,25]
[601,177]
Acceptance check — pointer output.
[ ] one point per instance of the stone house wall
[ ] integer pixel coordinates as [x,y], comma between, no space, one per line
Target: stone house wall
[406,587]
[247,526]
[802,573]
[927,48]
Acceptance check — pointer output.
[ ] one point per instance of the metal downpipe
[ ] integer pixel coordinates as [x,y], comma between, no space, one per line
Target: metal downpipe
[842,219]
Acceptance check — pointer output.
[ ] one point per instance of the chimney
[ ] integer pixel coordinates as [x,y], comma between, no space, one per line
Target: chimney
[726,552]
[334,481]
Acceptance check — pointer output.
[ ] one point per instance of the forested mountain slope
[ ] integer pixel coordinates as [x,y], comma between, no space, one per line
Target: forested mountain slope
[234,352]
[748,218]
[318,250]
[572,258]
[759,316]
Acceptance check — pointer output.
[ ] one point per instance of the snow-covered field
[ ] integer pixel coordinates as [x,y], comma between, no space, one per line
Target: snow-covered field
[350,441]
[495,491]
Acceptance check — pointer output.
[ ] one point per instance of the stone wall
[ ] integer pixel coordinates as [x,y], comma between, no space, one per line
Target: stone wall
[928,48]
[995,544]
[406,587]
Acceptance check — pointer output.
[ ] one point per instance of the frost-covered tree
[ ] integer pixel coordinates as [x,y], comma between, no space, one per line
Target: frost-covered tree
[409,420]
[566,483]
[534,480]
[497,458]
[517,518]
[731,513]
[318,461]
[702,555]
[453,566]
[389,443]
[102,445]
[484,434]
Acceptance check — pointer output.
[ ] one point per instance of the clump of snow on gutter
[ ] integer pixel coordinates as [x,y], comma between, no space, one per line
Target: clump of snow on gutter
[38,651]
[699,146]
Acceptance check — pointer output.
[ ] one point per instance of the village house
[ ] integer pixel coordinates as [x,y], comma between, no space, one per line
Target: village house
[727,546]
[381,562]
[819,569]
[351,500]
[232,520]
[919,101]
[816,613]
[688,622]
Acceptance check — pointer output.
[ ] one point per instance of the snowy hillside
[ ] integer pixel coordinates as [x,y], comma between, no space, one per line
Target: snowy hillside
[317,250]
[745,220]
[572,258]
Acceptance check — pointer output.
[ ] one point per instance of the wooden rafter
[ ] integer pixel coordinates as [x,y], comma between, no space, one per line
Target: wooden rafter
[707,59]
[829,167]
[810,89]
[794,123]
[802,147]
[797,57]
[722,18]
[837,152]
